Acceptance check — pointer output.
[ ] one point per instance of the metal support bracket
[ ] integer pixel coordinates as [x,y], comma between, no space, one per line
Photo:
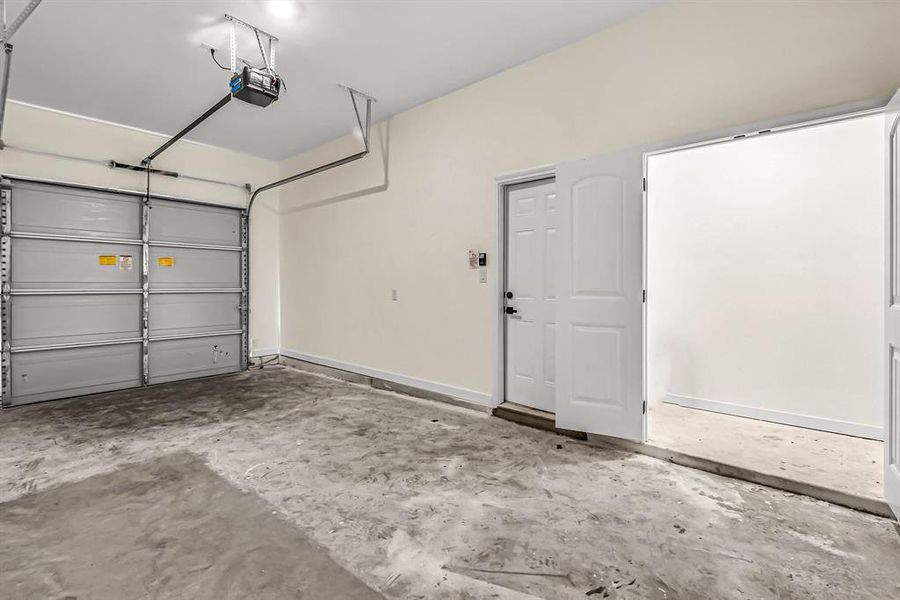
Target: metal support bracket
[357,92]
[5,35]
[145,285]
[233,45]
[114,164]
[263,52]
[5,297]
[4,86]
[8,32]
[245,291]
[268,59]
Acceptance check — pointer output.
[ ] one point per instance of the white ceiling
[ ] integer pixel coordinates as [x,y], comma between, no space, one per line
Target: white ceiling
[139,62]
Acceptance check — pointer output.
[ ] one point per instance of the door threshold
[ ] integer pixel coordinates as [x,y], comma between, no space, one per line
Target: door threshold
[533,417]
[539,419]
[839,497]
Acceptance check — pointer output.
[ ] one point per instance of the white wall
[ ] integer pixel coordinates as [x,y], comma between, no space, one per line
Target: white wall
[766,276]
[405,218]
[41,129]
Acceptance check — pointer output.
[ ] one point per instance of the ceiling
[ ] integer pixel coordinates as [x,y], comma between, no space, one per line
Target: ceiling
[140,62]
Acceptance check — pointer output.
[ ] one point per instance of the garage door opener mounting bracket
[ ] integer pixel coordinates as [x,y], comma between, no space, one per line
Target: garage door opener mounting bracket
[260,87]
[6,34]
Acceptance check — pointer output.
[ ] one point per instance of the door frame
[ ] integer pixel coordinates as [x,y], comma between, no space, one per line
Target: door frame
[834,114]
[502,183]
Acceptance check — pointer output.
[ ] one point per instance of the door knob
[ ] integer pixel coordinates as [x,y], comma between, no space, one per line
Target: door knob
[509,295]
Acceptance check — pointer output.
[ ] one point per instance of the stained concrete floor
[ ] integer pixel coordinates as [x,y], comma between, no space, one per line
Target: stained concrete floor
[421,500]
[166,528]
[851,465]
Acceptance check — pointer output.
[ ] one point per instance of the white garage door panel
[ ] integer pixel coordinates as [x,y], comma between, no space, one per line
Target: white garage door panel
[193,268]
[67,319]
[171,360]
[70,211]
[184,314]
[194,224]
[55,264]
[51,374]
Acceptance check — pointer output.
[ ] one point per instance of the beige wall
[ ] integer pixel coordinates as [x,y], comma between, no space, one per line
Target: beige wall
[41,129]
[405,218]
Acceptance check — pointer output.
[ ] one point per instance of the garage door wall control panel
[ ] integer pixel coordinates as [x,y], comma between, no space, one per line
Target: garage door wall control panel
[104,290]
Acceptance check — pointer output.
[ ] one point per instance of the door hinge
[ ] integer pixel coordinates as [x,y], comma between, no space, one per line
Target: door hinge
[645,183]
[644,296]
[644,408]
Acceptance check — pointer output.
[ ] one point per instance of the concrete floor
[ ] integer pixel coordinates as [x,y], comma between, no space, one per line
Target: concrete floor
[850,465]
[420,500]
[173,529]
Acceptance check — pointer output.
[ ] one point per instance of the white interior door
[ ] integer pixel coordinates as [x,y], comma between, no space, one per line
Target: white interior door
[892,320]
[599,383]
[531,293]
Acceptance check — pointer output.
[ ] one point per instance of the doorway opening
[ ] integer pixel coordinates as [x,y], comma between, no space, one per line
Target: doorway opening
[765,304]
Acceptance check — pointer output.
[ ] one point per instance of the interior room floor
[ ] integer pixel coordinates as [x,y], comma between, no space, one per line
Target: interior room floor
[850,465]
[415,499]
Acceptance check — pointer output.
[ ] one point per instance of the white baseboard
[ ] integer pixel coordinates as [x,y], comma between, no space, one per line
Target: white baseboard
[423,384]
[785,418]
[256,352]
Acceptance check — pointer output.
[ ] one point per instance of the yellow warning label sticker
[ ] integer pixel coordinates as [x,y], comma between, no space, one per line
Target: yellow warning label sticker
[166,261]
[108,261]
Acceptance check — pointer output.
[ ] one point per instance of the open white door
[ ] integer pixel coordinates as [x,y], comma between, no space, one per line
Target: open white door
[892,320]
[599,386]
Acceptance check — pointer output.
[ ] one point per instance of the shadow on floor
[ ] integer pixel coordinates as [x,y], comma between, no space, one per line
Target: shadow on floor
[169,528]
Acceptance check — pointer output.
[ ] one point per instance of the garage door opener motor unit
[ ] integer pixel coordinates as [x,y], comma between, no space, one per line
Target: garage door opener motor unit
[255,86]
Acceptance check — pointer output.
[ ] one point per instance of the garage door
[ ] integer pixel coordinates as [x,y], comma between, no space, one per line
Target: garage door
[103,291]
